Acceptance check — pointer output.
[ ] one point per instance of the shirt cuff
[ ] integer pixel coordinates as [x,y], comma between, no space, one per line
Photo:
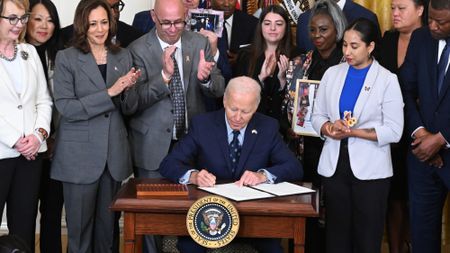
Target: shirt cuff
[185,178]
[414,132]
[38,137]
[216,56]
[270,177]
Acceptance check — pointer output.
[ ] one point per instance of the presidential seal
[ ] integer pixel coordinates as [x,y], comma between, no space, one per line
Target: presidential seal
[212,221]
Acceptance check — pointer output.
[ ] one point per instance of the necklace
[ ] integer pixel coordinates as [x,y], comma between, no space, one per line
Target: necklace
[101,57]
[12,58]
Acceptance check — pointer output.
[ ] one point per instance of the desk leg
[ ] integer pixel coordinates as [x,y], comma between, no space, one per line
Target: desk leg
[299,235]
[129,236]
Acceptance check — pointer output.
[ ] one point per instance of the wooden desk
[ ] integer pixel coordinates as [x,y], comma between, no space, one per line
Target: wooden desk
[282,217]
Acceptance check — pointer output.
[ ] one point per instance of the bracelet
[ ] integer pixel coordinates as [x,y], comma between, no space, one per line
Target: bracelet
[42,132]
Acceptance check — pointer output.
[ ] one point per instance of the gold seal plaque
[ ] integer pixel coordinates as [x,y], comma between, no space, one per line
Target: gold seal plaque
[212,221]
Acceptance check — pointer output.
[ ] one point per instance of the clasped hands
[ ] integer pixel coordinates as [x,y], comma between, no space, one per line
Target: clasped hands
[204,67]
[338,130]
[124,82]
[28,146]
[204,178]
[426,147]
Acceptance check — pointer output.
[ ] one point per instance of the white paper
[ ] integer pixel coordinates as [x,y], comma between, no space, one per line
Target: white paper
[234,192]
[283,189]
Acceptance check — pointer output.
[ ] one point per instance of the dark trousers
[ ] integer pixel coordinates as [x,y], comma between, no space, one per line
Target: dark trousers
[356,210]
[91,226]
[19,189]
[427,194]
[50,207]
[265,245]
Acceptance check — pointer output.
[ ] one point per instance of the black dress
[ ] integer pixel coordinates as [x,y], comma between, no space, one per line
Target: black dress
[399,182]
[271,95]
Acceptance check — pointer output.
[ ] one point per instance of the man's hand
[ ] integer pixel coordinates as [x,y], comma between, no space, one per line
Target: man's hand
[251,178]
[212,38]
[204,67]
[202,178]
[426,145]
[167,62]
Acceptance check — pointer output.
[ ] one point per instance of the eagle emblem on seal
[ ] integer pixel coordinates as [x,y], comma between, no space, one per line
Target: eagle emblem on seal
[212,221]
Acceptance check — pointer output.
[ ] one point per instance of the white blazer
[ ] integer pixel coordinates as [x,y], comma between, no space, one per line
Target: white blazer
[379,106]
[20,116]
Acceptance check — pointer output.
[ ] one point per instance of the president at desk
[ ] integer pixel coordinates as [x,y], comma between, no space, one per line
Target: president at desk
[232,144]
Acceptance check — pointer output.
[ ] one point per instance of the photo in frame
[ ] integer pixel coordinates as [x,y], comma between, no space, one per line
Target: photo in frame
[207,19]
[305,95]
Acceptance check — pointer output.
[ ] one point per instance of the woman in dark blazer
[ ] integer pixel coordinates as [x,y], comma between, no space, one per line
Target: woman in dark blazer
[43,32]
[266,60]
[92,154]
[407,16]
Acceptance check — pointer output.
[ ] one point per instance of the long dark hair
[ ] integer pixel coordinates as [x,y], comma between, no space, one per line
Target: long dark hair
[81,25]
[54,43]
[259,45]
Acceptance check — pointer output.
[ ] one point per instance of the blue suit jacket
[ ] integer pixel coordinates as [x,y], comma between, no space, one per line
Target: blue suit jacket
[352,11]
[206,147]
[424,106]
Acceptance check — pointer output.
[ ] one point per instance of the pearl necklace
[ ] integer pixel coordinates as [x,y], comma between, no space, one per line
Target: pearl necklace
[12,58]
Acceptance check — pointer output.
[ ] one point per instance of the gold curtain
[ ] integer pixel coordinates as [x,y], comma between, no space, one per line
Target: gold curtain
[383,10]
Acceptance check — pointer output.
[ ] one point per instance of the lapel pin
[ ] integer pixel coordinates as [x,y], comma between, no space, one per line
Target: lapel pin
[187,58]
[24,54]
[115,68]
[254,131]
[366,88]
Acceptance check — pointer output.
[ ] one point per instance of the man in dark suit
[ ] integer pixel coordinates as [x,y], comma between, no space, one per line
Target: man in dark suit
[125,32]
[239,30]
[236,144]
[352,11]
[427,106]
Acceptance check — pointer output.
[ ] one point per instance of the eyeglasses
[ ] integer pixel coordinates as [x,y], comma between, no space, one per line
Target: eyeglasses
[14,19]
[167,24]
[118,6]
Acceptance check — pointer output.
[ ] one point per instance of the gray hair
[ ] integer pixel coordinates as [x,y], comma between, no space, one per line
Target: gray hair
[245,85]
[330,8]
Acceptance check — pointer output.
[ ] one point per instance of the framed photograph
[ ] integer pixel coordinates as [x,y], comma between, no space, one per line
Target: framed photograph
[305,95]
[207,19]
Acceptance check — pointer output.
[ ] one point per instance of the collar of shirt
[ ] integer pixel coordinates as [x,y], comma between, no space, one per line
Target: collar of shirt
[441,46]
[341,4]
[230,132]
[229,25]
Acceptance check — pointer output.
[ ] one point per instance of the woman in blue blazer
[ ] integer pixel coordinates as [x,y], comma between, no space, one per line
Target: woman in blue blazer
[359,112]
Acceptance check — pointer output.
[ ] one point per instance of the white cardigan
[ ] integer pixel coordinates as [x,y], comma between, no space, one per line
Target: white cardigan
[379,106]
[20,116]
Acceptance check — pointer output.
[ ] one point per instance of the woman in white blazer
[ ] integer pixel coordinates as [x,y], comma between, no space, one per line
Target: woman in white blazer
[359,112]
[25,116]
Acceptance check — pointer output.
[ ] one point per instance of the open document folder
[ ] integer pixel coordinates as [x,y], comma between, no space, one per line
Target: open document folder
[261,191]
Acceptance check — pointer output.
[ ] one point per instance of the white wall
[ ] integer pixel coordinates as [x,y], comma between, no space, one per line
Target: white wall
[66,10]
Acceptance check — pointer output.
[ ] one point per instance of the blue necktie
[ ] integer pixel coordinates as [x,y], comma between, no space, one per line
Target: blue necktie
[177,95]
[235,150]
[442,65]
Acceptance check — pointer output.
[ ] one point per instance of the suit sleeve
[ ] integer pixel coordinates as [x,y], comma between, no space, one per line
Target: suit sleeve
[69,104]
[320,114]
[408,77]
[284,165]
[181,158]
[390,131]
[150,88]
[216,86]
